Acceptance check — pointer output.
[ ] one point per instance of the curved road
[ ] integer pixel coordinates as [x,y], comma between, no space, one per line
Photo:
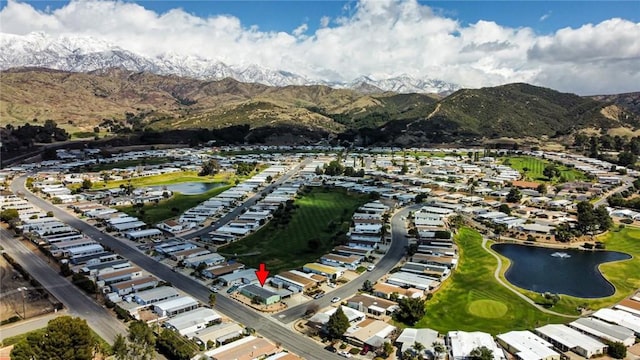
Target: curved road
[395,253]
[496,274]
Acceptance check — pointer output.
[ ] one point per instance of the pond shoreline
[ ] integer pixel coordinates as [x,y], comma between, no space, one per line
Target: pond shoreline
[574,272]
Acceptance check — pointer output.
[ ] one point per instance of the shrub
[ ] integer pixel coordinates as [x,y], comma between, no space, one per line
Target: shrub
[354,351]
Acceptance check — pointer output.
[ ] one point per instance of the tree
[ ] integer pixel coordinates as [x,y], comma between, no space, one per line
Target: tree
[120,347]
[387,349]
[438,348]
[514,196]
[175,346]
[141,341]
[9,215]
[504,208]
[590,219]
[212,299]
[367,286]
[210,167]
[542,189]
[410,310]
[338,323]
[481,353]
[604,220]
[563,233]
[419,348]
[551,172]
[86,184]
[65,337]
[617,350]
[626,158]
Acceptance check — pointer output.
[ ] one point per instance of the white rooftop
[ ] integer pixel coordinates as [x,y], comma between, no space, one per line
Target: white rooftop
[462,343]
[571,338]
[529,345]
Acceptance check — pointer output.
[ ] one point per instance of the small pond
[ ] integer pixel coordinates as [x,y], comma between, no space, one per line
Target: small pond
[194,188]
[568,271]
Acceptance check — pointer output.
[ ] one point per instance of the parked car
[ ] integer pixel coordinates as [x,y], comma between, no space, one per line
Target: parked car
[331,348]
[344,354]
[318,295]
[335,299]
[370,267]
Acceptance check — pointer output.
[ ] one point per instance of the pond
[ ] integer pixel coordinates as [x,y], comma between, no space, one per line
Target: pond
[568,271]
[194,188]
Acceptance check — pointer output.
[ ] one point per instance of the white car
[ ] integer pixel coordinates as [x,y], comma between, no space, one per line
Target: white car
[370,267]
[344,354]
[335,299]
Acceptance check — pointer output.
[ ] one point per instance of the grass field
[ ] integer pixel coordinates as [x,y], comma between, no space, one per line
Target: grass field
[154,213]
[166,179]
[306,236]
[472,296]
[534,168]
[624,275]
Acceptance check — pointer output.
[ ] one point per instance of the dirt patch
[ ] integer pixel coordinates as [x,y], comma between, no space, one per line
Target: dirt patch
[11,299]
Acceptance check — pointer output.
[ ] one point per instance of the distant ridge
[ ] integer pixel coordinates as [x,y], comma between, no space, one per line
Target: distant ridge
[85,54]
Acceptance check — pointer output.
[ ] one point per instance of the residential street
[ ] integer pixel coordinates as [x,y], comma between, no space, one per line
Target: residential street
[248,203]
[389,260]
[76,302]
[264,325]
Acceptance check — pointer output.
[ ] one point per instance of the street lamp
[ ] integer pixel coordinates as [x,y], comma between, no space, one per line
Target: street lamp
[22,290]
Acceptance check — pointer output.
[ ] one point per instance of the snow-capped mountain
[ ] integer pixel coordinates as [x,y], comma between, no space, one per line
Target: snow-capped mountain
[84,54]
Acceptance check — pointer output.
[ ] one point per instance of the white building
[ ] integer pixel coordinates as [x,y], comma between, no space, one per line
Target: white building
[175,306]
[462,343]
[193,320]
[567,339]
[526,345]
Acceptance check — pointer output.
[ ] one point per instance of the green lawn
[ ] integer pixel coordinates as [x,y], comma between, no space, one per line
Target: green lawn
[534,168]
[319,216]
[472,300]
[128,163]
[154,213]
[624,275]
[165,179]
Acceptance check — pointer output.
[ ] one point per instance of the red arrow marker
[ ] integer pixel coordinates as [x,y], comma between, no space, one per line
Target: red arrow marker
[262,274]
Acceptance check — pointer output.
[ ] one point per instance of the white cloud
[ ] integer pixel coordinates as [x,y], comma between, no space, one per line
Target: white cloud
[545,16]
[374,37]
[324,21]
[300,30]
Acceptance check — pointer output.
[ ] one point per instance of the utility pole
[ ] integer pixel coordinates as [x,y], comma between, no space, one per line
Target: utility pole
[24,308]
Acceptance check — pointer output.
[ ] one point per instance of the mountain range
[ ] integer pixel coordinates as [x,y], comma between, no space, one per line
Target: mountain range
[119,100]
[85,54]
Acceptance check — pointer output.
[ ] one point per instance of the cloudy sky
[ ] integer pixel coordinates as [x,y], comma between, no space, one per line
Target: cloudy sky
[587,47]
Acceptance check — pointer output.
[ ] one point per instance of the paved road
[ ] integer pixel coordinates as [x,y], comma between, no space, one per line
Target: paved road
[77,303]
[496,274]
[264,325]
[627,182]
[250,202]
[396,252]
[28,325]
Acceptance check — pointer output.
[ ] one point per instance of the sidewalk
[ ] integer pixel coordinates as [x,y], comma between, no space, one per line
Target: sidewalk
[31,324]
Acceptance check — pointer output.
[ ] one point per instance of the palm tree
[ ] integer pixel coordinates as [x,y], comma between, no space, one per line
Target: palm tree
[438,348]
[419,348]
